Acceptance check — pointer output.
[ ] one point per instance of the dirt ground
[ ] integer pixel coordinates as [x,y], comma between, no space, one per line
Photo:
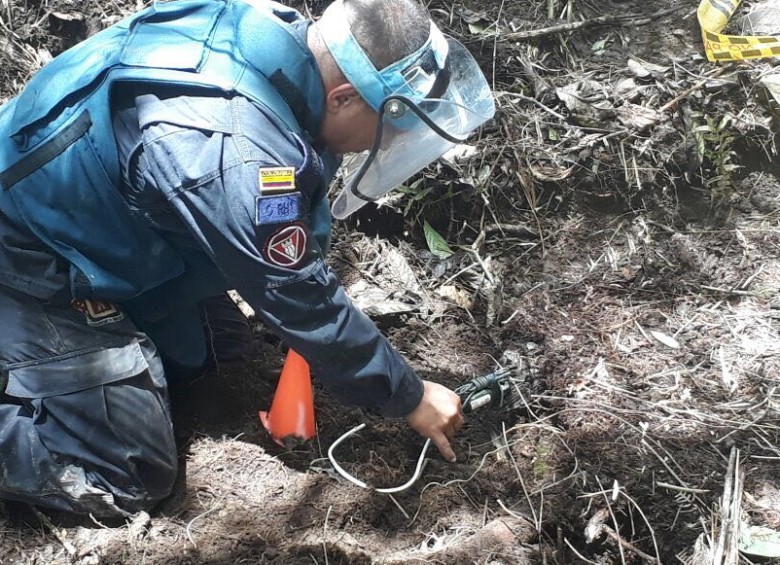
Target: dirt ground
[615,241]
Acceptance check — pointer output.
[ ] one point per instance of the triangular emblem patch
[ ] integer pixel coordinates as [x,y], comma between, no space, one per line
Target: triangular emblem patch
[286,246]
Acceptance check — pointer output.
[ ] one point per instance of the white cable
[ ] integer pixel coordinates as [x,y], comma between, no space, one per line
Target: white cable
[355,481]
[417,472]
[336,466]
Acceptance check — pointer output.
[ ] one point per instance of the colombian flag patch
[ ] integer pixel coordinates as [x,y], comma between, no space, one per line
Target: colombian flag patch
[276,179]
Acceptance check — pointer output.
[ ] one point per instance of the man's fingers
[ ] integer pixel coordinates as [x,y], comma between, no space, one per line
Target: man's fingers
[449,432]
[443,445]
[438,416]
[459,421]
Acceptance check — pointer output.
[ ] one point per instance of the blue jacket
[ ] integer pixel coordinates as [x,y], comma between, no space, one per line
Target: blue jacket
[223,188]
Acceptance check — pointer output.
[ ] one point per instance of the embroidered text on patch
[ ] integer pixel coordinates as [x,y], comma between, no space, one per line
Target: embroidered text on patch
[286,246]
[278,209]
[97,312]
[276,179]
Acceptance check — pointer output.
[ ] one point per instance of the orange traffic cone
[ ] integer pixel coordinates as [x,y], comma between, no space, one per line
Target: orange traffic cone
[290,421]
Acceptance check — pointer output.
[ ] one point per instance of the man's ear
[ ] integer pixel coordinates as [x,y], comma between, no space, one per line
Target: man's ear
[342,97]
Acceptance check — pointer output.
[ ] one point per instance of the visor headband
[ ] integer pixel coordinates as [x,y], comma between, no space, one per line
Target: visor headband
[373,85]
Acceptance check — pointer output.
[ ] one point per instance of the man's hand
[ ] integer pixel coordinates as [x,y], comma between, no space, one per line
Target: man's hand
[438,416]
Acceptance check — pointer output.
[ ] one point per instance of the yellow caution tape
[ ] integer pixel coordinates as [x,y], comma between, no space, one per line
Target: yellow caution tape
[713,17]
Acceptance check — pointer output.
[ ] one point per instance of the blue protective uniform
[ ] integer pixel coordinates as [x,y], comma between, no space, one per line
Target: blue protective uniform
[164,160]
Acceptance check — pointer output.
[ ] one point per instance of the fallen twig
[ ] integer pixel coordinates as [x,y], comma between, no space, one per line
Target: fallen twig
[188,530]
[514,229]
[726,551]
[525,98]
[53,529]
[628,545]
[537,519]
[10,15]
[325,535]
[596,528]
[612,19]
[672,104]
[728,290]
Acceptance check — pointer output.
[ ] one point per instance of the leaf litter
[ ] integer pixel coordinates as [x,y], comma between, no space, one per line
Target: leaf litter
[613,235]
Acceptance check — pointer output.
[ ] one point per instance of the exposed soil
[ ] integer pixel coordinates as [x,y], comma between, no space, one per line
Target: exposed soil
[616,242]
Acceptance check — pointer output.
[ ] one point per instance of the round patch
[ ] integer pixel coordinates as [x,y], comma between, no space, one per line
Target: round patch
[286,246]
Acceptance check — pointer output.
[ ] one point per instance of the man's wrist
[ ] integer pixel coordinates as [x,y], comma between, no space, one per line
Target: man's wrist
[406,398]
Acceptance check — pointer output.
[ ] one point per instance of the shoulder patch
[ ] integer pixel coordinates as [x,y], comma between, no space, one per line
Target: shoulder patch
[276,179]
[278,209]
[97,312]
[286,247]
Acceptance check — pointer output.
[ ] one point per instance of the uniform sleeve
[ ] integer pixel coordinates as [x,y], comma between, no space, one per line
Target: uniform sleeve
[244,198]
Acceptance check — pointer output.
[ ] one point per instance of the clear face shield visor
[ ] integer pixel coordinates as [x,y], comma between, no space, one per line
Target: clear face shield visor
[428,102]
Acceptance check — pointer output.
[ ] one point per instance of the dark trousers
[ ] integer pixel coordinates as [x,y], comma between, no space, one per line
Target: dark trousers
[85,423]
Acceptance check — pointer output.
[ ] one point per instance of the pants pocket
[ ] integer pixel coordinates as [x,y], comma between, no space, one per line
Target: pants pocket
[95,431]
